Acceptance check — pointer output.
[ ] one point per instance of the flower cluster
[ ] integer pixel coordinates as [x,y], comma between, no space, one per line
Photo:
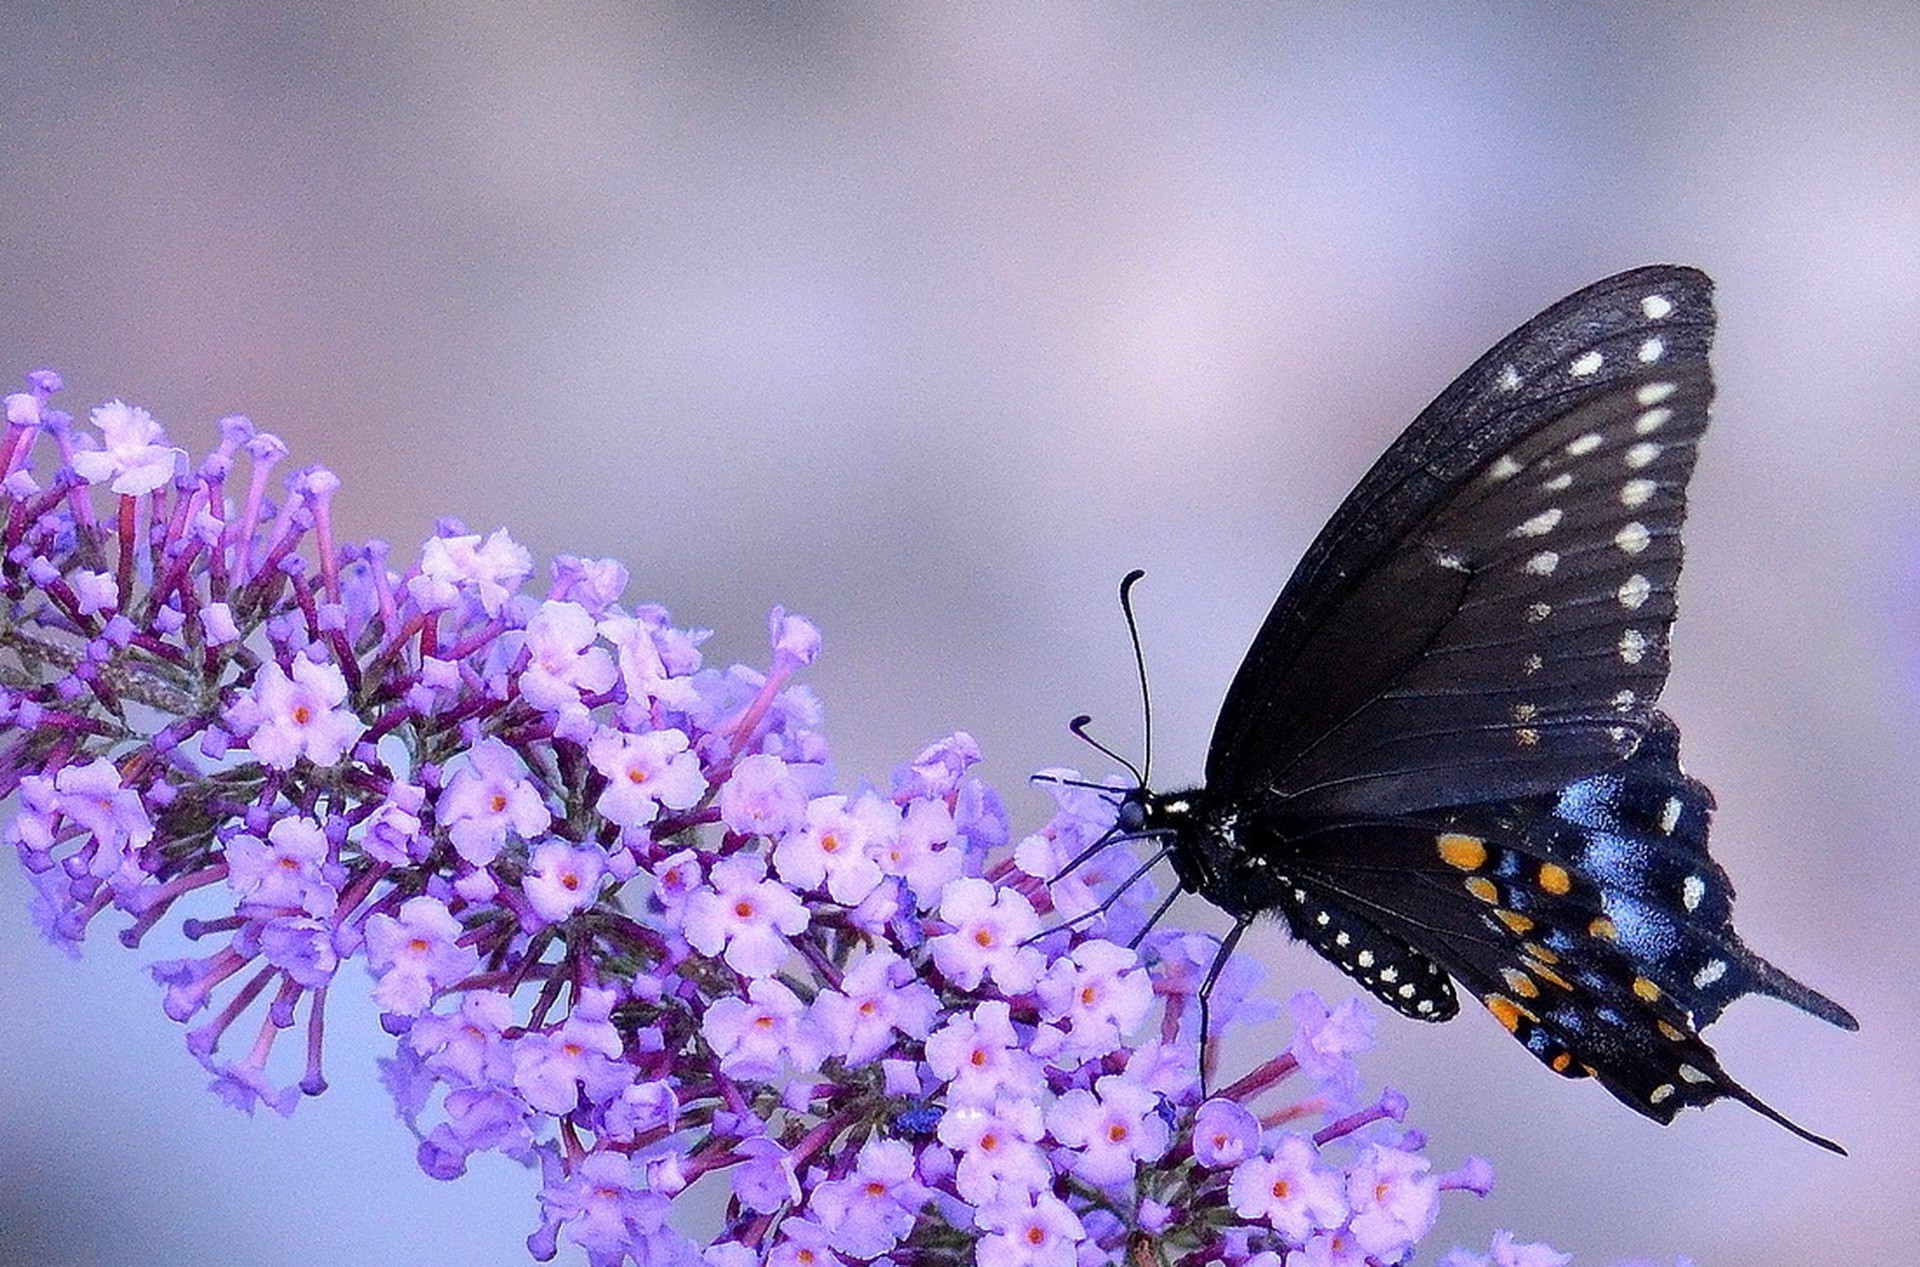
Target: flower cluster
[617,918]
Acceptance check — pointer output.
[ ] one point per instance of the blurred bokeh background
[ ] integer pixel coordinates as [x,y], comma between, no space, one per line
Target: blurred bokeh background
[930,322]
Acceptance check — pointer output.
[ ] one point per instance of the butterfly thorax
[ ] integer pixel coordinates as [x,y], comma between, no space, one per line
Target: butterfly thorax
[1208,843]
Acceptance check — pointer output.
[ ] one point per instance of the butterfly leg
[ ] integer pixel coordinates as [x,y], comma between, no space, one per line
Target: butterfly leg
[1220,958]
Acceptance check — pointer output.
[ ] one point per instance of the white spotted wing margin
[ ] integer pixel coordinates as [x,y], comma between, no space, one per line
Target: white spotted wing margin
[1591,922]
[1486,614]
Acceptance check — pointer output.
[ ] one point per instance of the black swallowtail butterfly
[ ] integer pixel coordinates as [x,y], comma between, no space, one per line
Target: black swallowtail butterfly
[1441,758]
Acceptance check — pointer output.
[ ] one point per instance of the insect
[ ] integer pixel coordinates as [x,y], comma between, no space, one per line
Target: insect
[1441,760]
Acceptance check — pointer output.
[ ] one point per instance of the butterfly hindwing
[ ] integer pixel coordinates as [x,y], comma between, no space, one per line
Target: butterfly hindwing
[1591,922]
[1473,617]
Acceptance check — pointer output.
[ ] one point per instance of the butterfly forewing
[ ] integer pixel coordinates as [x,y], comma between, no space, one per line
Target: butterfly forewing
[1560,560]
[1410,569]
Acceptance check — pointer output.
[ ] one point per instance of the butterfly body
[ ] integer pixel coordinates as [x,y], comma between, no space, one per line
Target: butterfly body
[1441,760]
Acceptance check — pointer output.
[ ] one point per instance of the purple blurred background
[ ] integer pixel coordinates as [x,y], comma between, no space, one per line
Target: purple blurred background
[930,323]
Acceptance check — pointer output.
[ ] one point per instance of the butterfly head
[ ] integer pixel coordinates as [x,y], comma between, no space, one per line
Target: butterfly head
[1201,842]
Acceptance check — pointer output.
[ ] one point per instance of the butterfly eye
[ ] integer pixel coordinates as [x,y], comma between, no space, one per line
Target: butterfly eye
[1133,814]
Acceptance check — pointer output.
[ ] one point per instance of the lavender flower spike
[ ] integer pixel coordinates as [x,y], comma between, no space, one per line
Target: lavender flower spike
[614,911]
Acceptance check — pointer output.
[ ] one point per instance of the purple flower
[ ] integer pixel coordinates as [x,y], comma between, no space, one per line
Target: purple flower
[980,1056]
[744,916]
[1329,1249]
[134,460]
[1096,996]
[1394,1200]
[762,798]
[1289,1188]
[1224,1133]
[872,1014]
[286,871]
[758,1036]
[875,1206]
[489,799]
[563,664]
[1028,1230]
[415,954]
[579,1058]
[877,999]
[838,847]
[1506,1252]
[645,772]
[91,796]
[766,1180]
[452,566]
[1325,1040]
[1112,1128]
[607,1212]
[990,930]
[997,1144]
[299,714]
[561,879]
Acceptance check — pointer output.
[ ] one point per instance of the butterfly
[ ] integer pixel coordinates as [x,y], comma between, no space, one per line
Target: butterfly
[1441,759]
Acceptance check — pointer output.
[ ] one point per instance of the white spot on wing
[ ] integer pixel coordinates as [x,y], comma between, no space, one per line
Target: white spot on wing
[1625,701]
[1540,525]
[1635,492]
[1641,454]
[1651,351]
[1634,591]
[1652,420]
[1585,444]
[1715,969]
[1656,307]
[1543,563]
[1505,468]
[1654,393]
[1633,538]
[1559,483]
[1586,363]
[1692,889]
[1538,612]
[1509,380]
[1633,646]
[1670,815]
[1533,663]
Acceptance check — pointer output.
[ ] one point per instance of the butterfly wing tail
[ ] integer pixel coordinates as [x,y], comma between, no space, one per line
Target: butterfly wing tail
[1764,978]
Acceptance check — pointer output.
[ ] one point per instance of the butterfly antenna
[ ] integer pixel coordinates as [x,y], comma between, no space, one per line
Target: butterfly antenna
[1127,583]
[1088,784]
[1079,727]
